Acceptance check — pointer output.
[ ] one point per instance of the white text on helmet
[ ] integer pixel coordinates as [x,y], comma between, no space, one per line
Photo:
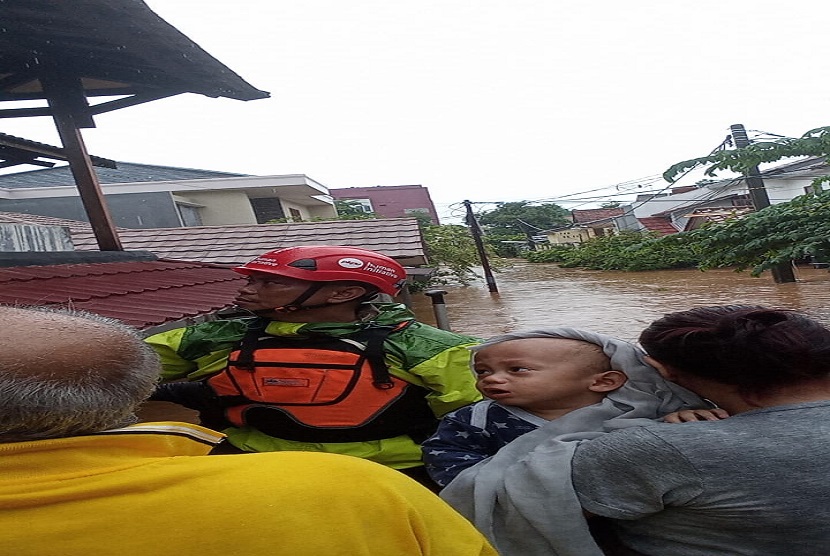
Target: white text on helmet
[264,261]
[379,269]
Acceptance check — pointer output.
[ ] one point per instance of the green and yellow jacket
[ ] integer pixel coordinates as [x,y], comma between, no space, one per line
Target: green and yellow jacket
[437,360]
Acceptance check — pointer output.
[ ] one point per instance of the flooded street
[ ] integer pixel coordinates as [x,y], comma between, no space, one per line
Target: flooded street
[617,303]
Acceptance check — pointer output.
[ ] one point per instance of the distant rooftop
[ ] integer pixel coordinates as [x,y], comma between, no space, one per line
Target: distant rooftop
[36,219]
[586,216]
[126,172]
[658,224]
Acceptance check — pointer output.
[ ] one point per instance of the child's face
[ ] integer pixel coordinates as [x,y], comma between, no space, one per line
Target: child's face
[541,374]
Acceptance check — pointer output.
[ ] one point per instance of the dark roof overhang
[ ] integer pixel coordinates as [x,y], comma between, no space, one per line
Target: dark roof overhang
[16,150]
[103,48]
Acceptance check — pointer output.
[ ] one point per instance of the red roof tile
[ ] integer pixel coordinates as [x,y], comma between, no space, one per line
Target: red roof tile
[584,216]
[657,224]
[140,293]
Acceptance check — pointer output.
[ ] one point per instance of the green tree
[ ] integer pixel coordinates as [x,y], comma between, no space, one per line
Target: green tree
[775,234]
[627,250]
[450,247]
[815,142]
[764,239]
[517,221]
[521,218]
[758,241]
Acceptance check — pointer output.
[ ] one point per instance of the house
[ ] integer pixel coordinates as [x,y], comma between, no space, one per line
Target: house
[148,196]
[393,201]
[587,224]
[689,207]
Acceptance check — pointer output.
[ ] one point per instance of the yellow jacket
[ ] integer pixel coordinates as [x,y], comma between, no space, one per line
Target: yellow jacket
[149,490]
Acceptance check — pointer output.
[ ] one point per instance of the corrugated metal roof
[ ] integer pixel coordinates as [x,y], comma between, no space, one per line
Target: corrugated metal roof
[140,293]
[399,238]
[127,172]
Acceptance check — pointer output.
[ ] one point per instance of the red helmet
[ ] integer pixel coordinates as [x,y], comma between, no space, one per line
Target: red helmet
[328,263]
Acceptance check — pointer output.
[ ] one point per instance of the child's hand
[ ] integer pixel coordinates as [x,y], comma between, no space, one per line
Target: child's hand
[688,415]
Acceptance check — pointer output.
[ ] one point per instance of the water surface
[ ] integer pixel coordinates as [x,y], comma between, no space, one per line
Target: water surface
[617,303]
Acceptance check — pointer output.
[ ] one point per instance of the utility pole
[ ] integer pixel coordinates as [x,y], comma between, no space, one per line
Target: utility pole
[782,272]
[475,230]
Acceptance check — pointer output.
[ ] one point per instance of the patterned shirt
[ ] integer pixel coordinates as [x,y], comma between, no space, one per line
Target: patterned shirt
[471,434]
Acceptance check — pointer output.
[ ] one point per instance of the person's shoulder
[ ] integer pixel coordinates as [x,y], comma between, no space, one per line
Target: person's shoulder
[646,434]
[199,339]
[396,313]
[310,473]
[464,413]
[652,437]
[435,335]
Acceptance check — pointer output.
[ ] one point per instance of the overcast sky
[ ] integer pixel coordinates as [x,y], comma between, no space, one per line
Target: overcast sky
[478,99]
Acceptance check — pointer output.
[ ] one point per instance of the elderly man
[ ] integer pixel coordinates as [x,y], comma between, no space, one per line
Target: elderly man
[76,478]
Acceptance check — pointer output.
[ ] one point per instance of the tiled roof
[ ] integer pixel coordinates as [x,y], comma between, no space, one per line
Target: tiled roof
[140,293]
[127,172]
[657,224]
[399,238]
[585,216]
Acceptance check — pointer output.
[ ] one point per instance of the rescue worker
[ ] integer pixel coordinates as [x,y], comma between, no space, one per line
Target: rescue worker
[319,367]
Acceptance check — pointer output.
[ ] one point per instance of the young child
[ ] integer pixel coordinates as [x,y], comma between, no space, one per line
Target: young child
[530,379]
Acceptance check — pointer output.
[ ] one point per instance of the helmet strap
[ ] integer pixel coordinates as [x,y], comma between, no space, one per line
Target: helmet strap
[297,304]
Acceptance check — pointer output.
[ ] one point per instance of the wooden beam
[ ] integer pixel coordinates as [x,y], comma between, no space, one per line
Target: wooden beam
[25,112]
[62,94]
[139,98]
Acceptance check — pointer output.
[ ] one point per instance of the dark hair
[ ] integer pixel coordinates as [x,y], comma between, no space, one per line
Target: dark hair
[755,348]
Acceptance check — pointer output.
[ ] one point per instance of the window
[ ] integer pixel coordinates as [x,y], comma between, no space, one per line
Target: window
[189,215]
[295,215]
[363,204]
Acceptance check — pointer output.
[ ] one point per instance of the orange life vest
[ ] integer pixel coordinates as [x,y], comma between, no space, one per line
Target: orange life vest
[320,389]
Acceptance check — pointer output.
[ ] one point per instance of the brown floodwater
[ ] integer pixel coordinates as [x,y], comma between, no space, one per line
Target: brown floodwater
[620,304]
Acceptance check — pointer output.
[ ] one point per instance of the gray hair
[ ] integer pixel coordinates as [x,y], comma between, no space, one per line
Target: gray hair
[45,393]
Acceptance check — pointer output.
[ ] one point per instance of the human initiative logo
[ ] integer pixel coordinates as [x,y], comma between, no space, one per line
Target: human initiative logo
[350,262]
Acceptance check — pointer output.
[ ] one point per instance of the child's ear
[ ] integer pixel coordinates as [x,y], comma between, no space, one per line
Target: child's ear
[607,381]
